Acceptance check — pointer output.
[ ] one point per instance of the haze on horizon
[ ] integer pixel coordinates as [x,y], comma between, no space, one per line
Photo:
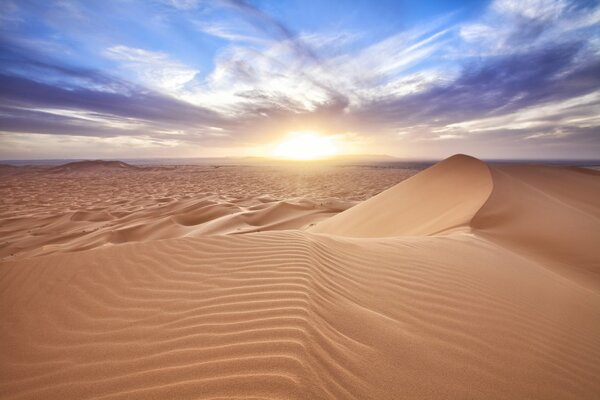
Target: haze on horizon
[195,78]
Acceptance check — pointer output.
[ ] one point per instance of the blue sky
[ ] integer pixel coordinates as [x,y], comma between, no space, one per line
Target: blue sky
[194,78]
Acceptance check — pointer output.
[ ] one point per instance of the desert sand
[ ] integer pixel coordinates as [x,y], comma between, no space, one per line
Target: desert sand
[463,281]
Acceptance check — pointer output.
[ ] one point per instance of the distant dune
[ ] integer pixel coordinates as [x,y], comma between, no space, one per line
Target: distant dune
[7,169]
[92,166]
[463,281]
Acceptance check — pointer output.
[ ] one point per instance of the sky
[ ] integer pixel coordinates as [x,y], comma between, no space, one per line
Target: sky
[203,78]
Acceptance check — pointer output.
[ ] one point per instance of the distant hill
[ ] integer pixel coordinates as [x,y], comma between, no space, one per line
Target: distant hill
[7,169]
[92,166]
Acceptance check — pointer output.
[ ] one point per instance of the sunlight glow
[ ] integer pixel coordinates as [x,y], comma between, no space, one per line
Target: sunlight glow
[305,146]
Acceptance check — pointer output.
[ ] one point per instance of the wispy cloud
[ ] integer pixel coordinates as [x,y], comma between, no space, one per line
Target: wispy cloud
[235,31]
[151,68]
[183,4]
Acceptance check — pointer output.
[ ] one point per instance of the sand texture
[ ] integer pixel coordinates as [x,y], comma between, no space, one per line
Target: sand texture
[464,281]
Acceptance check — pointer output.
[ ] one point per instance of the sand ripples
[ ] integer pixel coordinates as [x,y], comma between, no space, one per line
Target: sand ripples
[293,315]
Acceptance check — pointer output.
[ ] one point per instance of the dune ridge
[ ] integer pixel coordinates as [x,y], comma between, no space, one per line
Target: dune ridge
[432,202]
[480,301]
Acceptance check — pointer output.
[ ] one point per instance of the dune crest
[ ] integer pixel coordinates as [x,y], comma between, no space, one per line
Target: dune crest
[440,199]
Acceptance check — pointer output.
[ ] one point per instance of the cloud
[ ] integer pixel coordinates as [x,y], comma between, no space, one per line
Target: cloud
[274,81]
[496,87]
[138,103]
[531,9]
[234,31]
[509,91]
[61,99]
[511,26]
[9,14]
[272,27]
[153,69]
[577,112]
[182,4]
[31,146]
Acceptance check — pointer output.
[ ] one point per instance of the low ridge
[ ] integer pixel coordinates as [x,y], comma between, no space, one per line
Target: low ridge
[92,165]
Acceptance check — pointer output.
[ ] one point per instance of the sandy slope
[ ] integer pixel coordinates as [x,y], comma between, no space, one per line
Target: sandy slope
[550,214]
[440,199]
[496,299]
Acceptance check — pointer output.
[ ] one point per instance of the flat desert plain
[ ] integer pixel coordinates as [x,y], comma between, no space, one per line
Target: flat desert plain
[461,281]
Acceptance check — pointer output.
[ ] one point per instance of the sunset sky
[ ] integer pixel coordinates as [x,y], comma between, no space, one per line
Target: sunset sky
[200,78]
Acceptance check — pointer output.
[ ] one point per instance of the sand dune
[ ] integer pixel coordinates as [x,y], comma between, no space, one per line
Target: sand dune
[464,281]
[548,213]
[440,199]
[73,208]
[82,230]
[92,166]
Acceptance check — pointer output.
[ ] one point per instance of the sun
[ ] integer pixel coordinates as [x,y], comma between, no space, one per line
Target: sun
[305,146]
